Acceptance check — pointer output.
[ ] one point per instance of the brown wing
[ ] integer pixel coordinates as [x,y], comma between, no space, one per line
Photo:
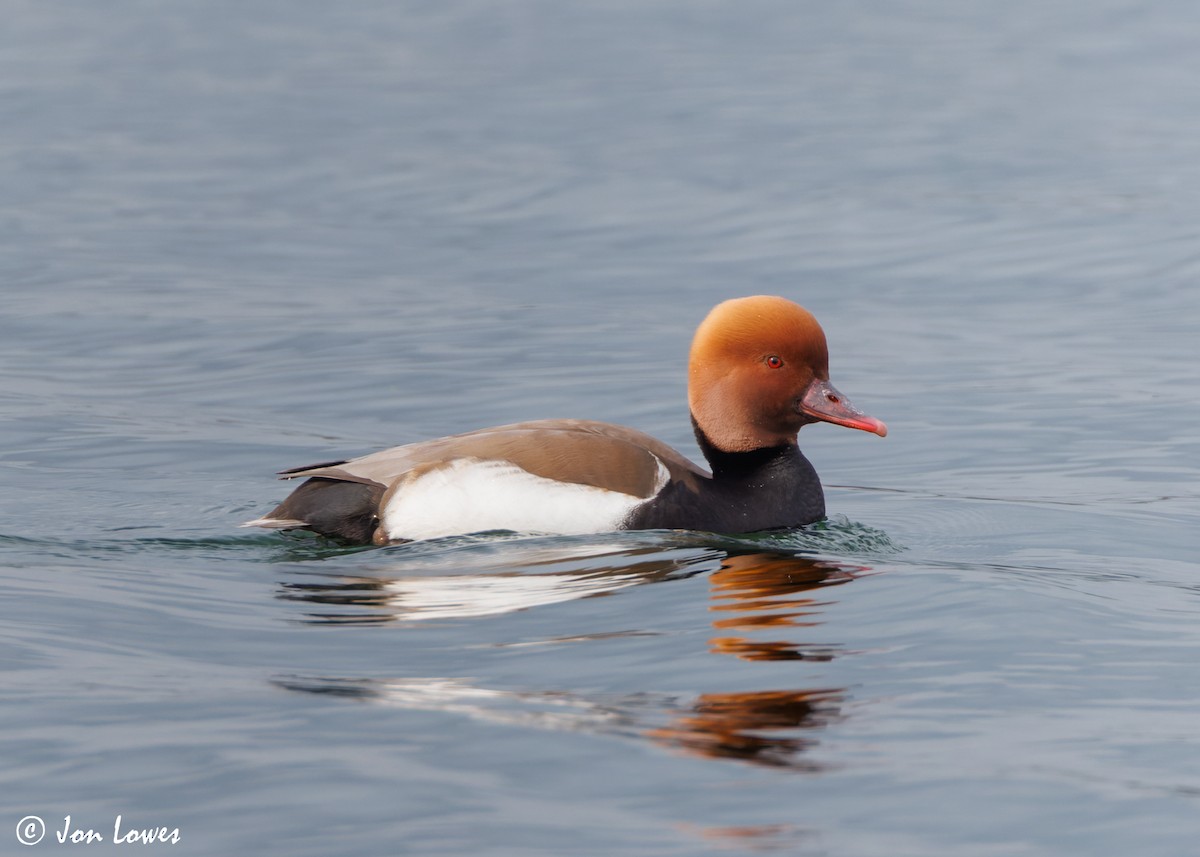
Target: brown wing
[580,451]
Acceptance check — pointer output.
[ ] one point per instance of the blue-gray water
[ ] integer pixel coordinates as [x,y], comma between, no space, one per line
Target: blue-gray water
[239,237]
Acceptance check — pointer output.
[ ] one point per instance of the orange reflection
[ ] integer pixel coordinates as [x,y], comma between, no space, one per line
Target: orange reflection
[749,837]
[760,591]
[742,725]
[752,593]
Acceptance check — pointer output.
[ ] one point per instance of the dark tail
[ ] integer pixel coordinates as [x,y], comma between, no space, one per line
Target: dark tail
[347,511]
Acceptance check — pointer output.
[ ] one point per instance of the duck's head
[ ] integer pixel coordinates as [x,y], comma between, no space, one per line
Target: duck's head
[759,371]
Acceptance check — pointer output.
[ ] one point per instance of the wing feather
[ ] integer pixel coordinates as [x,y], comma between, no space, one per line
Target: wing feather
[585,452]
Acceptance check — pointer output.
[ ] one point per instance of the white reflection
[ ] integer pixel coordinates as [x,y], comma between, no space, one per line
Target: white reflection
[472,596]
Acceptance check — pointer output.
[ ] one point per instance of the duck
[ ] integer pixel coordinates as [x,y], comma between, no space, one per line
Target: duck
[758,372]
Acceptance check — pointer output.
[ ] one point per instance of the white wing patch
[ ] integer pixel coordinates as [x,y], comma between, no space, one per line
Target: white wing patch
[472,496]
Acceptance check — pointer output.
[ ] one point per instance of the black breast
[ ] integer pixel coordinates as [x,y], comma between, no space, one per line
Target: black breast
[749,491]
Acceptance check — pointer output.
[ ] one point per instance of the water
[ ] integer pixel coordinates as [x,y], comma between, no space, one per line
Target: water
[243,237]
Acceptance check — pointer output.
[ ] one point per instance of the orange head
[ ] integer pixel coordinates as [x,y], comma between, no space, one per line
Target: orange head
[759,370]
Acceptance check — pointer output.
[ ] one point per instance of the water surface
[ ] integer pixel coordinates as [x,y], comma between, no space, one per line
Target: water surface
[243,238]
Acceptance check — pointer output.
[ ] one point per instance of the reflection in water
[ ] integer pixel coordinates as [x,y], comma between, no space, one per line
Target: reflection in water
[472,596]
[770,593]
[758,591]
[766,727]
[541,709]
[752,592]
[756,837]
[502,587]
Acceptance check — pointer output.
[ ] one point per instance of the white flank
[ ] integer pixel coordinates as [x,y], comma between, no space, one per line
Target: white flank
[472,496]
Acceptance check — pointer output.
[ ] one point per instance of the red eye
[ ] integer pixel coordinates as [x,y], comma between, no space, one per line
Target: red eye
[774,362]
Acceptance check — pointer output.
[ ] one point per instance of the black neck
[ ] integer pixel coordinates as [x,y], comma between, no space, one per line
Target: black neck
[763,489]
[739,465]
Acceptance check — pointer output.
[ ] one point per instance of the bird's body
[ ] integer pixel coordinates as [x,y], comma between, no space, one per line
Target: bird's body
[757,374]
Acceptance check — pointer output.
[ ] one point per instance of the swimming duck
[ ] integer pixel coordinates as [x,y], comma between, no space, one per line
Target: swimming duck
[758,371]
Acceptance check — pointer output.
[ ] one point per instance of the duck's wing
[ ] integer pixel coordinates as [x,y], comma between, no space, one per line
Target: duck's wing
[584,452]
